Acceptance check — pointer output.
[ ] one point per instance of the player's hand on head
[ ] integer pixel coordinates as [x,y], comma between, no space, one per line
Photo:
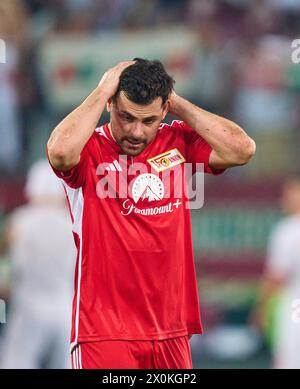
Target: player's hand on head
[110,80]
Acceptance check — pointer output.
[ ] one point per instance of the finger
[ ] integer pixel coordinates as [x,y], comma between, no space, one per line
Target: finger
[125,64]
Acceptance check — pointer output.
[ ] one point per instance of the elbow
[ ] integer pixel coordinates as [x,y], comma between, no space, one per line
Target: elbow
[59,157]
[56,154]
[246,150]
[250,149]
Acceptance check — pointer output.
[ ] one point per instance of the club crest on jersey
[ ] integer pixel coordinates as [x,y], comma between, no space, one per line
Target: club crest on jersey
[166,160]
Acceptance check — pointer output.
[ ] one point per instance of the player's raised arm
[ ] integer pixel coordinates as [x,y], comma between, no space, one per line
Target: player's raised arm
[230,143]
[70,136]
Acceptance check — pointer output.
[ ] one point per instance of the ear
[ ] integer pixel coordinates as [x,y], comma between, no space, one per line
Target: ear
[108,105]
[166,109]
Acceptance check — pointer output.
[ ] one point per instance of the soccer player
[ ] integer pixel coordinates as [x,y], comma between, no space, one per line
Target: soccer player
[281,281]
[136,302]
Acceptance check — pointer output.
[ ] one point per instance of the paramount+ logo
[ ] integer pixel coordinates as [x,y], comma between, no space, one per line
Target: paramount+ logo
[2,51]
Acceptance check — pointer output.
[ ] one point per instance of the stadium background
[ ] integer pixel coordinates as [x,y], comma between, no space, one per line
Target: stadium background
[229,57]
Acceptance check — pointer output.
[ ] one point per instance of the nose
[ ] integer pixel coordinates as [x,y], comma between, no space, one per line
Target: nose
[137,131]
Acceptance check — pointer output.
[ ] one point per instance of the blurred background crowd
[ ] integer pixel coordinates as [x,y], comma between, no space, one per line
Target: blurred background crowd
[233,58]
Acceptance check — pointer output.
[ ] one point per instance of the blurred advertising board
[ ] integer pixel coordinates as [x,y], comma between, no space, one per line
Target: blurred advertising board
[71,67]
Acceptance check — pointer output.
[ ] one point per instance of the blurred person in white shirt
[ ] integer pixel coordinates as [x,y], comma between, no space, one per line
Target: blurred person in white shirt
[42,253]
[281,282]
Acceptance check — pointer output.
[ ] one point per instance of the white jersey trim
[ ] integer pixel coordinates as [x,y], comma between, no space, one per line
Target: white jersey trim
[76,201]
[101,131]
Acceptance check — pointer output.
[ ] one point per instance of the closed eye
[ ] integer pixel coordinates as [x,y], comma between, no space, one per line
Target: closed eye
[148,121]
[127,118]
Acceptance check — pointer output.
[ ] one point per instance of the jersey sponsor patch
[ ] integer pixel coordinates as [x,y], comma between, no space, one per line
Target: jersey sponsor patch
[147,186]
[166,160]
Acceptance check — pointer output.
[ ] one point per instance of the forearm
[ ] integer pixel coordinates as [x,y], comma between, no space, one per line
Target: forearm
[269,289]
[69,138]
[228,140]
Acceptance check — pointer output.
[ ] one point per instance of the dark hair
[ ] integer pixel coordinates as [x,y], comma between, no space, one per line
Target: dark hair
[144,81]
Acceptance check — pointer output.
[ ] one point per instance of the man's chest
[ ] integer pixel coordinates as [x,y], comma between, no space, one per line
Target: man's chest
[151,183]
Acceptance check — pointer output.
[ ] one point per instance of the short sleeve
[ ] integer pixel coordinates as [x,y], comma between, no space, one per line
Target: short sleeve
[280,251]
[198,149]
[76,176]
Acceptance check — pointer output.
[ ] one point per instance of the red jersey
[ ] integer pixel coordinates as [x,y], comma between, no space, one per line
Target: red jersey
[135,274]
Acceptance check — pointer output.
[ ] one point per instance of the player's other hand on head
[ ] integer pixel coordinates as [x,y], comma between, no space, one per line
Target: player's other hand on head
[110,80]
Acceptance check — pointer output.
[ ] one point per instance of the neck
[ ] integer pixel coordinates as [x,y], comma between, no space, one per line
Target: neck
[109,128]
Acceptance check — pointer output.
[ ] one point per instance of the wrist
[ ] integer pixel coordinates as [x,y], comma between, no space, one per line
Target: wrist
[101,94]
[97,100]
[175,104]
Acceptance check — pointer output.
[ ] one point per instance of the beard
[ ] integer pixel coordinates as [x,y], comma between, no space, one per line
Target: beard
[132,146]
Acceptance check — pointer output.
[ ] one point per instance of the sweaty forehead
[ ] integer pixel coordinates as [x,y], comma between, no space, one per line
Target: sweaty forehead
[153,109]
